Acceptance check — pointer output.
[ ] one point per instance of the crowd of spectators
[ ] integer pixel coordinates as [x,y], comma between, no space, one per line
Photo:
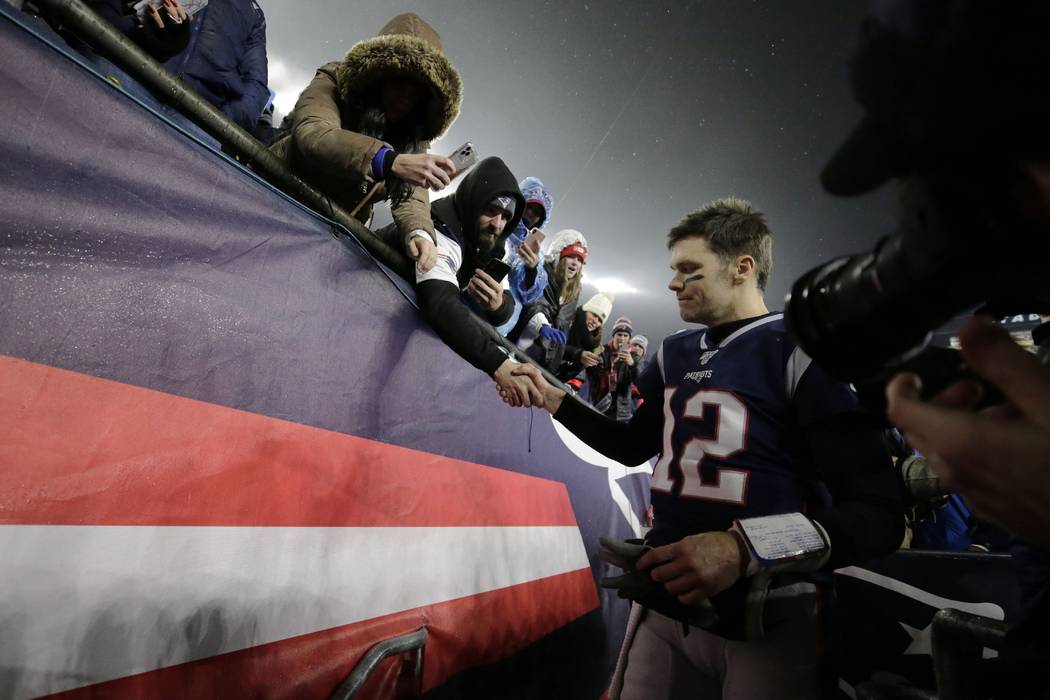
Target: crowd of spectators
[360,133]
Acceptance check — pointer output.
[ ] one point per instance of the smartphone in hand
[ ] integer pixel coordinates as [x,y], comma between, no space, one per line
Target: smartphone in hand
[464,157]
[534,239]
[496,269]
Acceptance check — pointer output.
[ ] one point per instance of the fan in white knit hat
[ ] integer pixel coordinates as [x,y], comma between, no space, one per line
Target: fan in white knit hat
[600,305]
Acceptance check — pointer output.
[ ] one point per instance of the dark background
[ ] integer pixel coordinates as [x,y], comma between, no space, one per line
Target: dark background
[635,113]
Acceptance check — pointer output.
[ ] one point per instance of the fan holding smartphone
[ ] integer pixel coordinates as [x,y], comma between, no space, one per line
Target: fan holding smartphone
[528,278]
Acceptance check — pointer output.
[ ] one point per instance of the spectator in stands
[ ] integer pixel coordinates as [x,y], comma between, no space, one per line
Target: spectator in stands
[610,380]
[639,346]
[225,61]
[469,228]
[528,278]
[585,339]
[543,326]
[162,33]
[360,131]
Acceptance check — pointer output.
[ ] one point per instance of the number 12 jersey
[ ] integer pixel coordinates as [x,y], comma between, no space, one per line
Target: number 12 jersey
[734,416]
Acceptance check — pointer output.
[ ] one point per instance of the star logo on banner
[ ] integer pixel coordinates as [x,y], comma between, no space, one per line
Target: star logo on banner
[921,640]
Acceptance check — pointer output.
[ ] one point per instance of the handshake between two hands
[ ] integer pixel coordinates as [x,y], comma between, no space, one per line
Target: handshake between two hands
[523,385]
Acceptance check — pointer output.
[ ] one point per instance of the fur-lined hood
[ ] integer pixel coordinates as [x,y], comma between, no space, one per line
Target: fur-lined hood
[562,240]
[405,46]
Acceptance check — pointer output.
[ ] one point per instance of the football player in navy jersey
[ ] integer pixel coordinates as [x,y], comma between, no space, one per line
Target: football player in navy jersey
[745,426]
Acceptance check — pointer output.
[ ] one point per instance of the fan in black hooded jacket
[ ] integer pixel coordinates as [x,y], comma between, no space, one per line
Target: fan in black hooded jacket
[460,251]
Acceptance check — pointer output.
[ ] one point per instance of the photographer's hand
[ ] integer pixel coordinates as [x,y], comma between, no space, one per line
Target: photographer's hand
[998,458]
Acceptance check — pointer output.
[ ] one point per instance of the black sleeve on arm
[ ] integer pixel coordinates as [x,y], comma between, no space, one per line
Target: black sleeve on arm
[866,517]
[628,443]
[440,304]
[504,312]
[530,277]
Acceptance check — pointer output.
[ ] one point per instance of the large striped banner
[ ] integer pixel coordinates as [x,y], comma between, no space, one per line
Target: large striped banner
[232,458]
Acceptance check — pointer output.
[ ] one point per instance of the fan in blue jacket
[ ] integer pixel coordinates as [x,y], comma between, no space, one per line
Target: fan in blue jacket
[527,283]
[225,60]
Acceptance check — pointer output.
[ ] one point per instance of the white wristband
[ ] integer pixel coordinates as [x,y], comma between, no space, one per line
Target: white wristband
[786,542]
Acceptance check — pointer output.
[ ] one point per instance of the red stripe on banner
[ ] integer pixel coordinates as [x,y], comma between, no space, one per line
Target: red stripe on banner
[76,449]
[463,633]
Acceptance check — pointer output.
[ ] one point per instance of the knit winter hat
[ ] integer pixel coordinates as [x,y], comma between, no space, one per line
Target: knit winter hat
[641,340]
[623,324]
[600,305]
[505,203]
[563,239]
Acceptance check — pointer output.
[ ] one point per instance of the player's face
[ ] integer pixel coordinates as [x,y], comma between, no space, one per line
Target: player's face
[701,282]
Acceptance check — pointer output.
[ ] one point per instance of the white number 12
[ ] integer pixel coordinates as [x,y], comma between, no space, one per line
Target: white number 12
[729,436]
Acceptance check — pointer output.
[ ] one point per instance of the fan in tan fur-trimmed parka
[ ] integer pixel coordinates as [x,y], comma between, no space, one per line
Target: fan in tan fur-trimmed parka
[389,96]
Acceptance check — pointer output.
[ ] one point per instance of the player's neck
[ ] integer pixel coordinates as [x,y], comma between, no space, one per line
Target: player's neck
[746,306]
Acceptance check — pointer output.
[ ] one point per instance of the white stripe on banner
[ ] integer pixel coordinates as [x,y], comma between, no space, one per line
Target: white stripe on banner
[177,594]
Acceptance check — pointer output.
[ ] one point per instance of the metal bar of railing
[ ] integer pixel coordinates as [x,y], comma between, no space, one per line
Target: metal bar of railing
[82,21]
[959,639]
[370,661]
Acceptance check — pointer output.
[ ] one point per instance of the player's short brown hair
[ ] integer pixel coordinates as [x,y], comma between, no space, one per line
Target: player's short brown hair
[731,227]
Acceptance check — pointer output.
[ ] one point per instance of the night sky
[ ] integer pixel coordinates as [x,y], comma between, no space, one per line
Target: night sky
[635,113]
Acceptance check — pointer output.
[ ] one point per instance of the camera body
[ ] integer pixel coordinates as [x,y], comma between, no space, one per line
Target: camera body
[950,115]
[960,244]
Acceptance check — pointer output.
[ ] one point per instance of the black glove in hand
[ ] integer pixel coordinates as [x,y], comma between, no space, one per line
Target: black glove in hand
[625,554]
[639,586]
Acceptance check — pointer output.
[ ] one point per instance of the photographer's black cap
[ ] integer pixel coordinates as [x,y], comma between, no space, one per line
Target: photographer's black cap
[944,81]
[871,155]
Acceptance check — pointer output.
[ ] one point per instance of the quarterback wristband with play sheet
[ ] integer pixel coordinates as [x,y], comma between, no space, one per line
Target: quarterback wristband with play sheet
[783,543]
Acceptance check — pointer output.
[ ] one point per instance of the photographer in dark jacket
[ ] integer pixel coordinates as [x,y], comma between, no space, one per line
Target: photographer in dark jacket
[469,226]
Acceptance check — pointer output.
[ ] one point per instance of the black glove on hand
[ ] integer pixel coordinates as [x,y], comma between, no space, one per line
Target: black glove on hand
[639,586]
[625,554]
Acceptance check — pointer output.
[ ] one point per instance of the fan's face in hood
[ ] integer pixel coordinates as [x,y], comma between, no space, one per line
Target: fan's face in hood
[483,224]
[490,226]
[533,216]
[400,97]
